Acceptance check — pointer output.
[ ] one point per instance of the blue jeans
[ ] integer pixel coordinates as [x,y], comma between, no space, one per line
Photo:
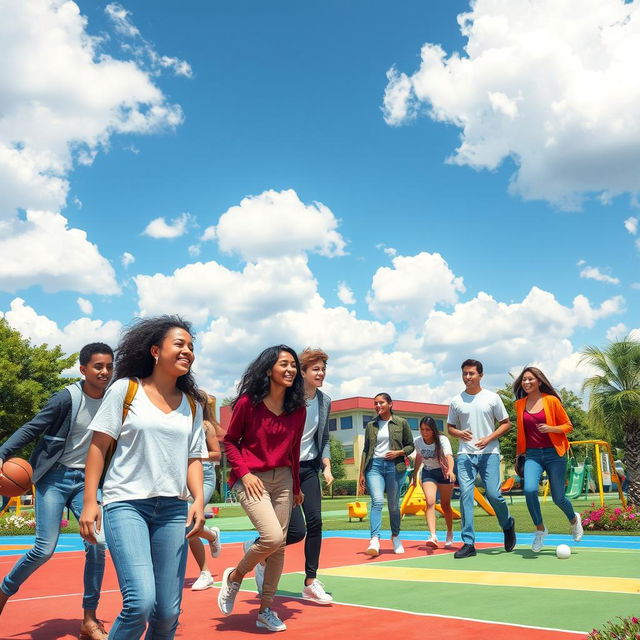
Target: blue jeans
[59,488]
[487,466]
[381,476]
[537,461]
[147,542]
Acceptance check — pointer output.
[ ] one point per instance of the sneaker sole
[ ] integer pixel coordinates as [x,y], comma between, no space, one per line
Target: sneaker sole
[432,544]
[209,586]
[373,553]
[263,625]
[323,602]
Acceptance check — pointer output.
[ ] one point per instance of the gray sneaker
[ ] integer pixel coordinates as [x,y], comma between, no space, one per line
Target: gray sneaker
[576,529]
[228,592]
[268,619]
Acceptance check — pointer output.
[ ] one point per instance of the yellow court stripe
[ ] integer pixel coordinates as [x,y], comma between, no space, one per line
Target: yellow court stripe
[490,578]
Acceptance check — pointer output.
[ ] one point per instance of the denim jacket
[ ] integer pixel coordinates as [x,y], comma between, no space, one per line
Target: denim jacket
[400,437]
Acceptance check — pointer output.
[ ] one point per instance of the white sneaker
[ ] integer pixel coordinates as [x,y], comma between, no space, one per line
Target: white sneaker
[268,619]
[205,581]
[216,545]
[449,541]
[432,543]
[259,568]
[538,540]
[576,529]
[374,547]
[315,591]
[397,544]
[228,592]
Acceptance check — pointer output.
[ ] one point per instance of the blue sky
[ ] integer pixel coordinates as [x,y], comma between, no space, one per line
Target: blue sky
[477,200]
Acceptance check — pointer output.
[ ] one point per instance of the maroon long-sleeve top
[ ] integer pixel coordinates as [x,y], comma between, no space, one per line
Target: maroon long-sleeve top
[259,440]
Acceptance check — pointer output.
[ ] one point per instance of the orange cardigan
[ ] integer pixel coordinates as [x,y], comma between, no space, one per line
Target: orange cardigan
[555,416]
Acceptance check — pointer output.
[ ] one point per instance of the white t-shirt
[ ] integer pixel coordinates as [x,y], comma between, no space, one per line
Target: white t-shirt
[478,413]
[382,443]
[79,438]
[428,451]
[153,447]
[308,446]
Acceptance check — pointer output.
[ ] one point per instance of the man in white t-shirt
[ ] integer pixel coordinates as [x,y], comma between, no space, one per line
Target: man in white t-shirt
[472,418]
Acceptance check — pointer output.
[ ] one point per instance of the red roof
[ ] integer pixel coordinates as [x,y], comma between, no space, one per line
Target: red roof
[364,404]
[402,406]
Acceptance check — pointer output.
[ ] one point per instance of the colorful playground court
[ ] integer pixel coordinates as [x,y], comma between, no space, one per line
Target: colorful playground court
[494,595]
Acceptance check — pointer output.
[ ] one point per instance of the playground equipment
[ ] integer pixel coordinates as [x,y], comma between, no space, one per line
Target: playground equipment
[414,503]
[357,510]
[13,502]
[582,479]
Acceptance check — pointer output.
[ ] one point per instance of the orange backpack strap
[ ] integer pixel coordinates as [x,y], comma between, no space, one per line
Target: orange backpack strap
[128,399]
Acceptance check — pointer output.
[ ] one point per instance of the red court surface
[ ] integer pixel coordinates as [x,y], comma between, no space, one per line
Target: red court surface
[48,605]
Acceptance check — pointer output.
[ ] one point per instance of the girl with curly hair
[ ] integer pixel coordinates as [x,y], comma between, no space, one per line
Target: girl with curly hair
[156,463]
[263,449]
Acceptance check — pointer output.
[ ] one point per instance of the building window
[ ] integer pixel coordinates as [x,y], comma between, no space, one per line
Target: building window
[333,424]
[440,424]
[348,450]
[346,422]
[366,420]
[413,423]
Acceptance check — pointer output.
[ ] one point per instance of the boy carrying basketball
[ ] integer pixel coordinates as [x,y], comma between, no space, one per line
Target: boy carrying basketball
[58,473]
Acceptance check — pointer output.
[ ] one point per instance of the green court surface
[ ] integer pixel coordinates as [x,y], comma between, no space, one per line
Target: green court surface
[520,588]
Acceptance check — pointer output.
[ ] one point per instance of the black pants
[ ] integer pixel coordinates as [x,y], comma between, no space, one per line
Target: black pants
[312,508]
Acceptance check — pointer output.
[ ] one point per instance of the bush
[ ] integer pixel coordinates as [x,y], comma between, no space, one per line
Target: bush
[626,629]
[609,518]
[344,487]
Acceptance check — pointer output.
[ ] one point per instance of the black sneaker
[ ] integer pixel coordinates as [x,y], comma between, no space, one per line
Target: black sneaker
[465,551]
[510,536]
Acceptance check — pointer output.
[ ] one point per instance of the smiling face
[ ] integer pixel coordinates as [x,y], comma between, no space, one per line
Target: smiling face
[175,352]
[426,432]
[284,371]
[471,378]
[530,384]
[97,373]
[314,374]
[382,407]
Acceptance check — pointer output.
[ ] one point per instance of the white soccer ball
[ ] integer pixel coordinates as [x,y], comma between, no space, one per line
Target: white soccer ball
[563,551]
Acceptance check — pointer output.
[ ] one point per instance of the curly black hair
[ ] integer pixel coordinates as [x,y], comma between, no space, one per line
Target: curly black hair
[133,353]
[256,383]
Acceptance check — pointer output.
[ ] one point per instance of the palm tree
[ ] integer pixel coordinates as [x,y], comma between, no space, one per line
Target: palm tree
[614,400]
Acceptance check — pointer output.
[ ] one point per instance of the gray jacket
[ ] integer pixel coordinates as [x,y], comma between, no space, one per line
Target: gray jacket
[53,423]
[322,434]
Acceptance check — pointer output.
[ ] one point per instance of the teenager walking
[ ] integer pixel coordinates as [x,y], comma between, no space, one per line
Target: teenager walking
[152,416]
[58,463]
[262,445]
[543,425]
[472,418]
[387,442]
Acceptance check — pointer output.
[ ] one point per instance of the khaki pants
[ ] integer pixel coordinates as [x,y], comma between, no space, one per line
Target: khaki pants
[270,517]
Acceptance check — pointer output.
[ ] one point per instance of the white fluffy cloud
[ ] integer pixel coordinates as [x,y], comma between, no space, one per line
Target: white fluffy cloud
[127,258]
[44,251]
[85,306]
[410,289]
[595,273]
[631,225]
[160,228]
[551,85]
[40,329]
[345,293]
[277,223]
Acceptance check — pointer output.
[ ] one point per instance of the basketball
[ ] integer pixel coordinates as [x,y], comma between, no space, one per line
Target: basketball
[15,477]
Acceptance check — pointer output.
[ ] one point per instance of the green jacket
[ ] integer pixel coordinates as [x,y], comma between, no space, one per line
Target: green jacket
[400,437]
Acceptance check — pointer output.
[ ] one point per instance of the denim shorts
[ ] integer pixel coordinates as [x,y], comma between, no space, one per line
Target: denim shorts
[209,472]
[434,475]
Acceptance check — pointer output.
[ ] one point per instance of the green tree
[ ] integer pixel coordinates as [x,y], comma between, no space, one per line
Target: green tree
[614,400]
[28,377]
[336,453]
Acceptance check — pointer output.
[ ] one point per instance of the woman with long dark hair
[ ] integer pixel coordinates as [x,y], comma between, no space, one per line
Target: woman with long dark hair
[434,455]
[543,425]
[152,415]
[387,441]
[262,445]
